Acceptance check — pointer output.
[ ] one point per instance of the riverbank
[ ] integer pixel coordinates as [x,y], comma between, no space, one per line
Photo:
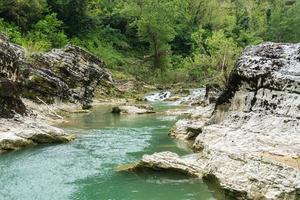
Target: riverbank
[245,138]
[248,140]
[34,87]
[86,168]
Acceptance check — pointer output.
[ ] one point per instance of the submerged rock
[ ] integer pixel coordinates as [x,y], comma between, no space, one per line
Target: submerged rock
[251,142]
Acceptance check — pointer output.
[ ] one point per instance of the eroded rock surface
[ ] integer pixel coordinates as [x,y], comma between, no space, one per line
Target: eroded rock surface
[24,131]
[171,161]
[70,74]
[251,143]
[189,129]
[11,63]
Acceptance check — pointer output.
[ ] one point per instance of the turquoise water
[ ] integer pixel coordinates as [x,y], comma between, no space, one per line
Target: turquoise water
[86,168]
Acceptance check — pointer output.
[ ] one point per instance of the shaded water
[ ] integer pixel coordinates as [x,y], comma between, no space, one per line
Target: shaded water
[85,168]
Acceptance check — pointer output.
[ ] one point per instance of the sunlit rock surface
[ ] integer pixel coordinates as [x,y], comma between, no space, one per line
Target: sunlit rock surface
[23,131]
[251,143]
[68,75]
[133,109]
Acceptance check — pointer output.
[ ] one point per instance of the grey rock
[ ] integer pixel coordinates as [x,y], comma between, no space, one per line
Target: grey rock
[70,74]
[133,109]
[251,143]
[11,63]
[25,131]
[189,129]
[170,161]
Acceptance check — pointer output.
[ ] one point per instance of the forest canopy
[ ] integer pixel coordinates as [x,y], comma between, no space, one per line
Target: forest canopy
[154,40]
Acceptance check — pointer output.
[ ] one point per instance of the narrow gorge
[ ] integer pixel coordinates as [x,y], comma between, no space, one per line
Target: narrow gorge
[239,143]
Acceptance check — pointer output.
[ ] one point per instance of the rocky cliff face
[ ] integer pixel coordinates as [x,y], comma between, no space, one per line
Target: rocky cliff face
[267,79]
[250,141]
[70,74]
[11,63]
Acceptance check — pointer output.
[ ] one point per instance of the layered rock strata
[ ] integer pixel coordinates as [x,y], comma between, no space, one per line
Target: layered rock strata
[11,63]
[251,142]
[68,75]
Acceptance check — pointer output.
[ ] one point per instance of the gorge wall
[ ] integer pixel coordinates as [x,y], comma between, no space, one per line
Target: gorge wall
[67,75]
[11,64]
[249,140]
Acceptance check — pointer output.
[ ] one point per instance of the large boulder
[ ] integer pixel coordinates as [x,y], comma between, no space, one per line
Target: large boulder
[70,74]
[266,79]
[11,63]
[133,109]
[24,131]
[251,144]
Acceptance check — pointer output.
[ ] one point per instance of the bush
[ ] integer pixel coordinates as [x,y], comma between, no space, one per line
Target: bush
[12,31]
[213,58]
[45,35]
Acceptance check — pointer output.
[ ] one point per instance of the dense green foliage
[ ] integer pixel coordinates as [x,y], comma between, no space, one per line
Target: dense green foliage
[154,40]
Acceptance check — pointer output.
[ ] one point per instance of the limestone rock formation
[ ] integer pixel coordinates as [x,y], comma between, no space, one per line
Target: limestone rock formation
[189,129]
[11,62]
[70,74]
[24,131]
[170,161]
[133,109]
[251,143]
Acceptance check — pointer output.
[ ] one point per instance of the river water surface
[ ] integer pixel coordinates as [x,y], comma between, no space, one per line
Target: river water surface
[86,169]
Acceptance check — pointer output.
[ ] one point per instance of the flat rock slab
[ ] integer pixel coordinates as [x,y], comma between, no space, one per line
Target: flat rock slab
[250,143]
[133,109]
[240,176]
[170,161]
[16,134]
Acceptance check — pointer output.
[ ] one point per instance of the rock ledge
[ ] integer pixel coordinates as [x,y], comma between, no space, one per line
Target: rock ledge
[251,141]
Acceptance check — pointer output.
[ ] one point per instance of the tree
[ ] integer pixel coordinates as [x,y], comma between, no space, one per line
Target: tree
[158,36]
[24,13]
[155,21]
[284,23]
[74,15]
[45,35]
[214,56]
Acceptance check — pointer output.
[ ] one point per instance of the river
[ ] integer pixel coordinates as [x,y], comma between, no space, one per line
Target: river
[86,169]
